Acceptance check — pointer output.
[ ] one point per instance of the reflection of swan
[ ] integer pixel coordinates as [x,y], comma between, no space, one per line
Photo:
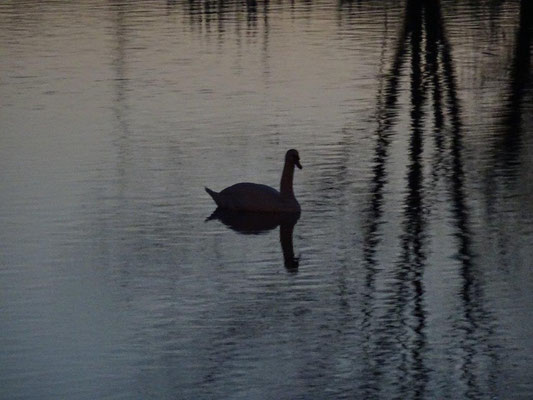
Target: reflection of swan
[256,223]
[255,197]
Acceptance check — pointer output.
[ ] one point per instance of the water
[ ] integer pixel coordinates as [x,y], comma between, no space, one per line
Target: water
[408,274]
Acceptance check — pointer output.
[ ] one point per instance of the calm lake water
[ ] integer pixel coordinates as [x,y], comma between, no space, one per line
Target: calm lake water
[409,274]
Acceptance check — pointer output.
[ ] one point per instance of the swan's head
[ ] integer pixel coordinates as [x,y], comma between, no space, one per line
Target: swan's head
[293,157]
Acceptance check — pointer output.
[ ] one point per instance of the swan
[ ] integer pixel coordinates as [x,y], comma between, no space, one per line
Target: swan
[255,197]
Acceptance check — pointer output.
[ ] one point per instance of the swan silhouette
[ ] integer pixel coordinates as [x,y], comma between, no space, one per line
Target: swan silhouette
[255,197]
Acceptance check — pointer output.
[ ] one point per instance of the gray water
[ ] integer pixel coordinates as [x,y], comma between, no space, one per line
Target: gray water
[409,273]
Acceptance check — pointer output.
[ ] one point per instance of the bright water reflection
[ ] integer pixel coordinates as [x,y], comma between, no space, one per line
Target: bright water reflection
[408,274]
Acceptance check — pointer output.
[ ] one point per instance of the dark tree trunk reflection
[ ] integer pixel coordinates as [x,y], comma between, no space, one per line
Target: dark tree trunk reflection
[402,334]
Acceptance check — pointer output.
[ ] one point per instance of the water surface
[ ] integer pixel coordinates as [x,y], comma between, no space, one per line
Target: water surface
[408,273]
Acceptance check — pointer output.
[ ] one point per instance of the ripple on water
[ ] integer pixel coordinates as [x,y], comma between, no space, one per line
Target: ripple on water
[407,274]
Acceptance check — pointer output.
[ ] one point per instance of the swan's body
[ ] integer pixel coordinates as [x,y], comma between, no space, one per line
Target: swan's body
[262,198]
[248,196]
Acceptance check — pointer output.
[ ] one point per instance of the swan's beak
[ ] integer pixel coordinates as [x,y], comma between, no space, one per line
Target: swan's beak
[298,164]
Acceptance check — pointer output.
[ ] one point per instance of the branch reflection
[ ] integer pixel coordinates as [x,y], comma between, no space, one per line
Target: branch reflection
[508,146]
[402,333]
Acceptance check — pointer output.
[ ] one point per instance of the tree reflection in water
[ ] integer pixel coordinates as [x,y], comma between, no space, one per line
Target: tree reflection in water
[402,333]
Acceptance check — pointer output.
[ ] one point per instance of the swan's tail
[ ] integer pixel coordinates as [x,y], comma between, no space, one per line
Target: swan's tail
[213,194]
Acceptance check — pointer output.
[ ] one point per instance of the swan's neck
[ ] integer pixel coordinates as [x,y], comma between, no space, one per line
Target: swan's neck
[286,180]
